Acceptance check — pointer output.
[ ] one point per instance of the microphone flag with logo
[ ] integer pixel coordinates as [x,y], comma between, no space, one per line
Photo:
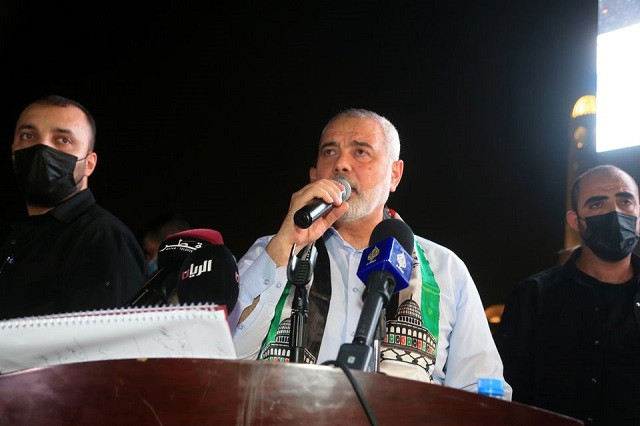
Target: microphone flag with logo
[209,275]
[385,267]
[171,254]
[390,256]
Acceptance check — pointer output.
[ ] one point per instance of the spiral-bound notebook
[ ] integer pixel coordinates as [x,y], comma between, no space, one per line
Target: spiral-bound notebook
[182,331]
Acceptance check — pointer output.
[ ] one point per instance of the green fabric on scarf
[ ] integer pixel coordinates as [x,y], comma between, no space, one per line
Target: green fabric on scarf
[275,323]
[430,304]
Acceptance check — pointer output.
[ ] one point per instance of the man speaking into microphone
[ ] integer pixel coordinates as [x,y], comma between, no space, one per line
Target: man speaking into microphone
[436,328]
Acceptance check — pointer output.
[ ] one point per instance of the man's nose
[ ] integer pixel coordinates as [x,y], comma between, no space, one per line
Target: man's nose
[43,140]
[618,208]
[342,163]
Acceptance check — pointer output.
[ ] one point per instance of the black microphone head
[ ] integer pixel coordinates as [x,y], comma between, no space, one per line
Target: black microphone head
[395,228]
[175,249]
[172,253]
[209,275]
[316,208]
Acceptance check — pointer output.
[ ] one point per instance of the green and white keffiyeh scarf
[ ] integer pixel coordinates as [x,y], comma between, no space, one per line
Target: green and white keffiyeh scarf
[412,316]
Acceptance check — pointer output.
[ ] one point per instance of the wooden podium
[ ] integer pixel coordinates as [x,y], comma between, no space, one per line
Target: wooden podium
[226,392]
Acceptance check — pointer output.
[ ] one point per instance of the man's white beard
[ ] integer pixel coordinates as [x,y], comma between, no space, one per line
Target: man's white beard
[362,203]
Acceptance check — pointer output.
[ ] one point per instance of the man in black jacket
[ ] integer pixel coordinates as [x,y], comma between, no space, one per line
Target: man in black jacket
[68,254]
[570,336]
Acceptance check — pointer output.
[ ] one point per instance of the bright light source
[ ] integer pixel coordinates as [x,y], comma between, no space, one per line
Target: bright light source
[618,95]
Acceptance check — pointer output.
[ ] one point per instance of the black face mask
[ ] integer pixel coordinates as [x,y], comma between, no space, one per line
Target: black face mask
[45,175]
[611,236]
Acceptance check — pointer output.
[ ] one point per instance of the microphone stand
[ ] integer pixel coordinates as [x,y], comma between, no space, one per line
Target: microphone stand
[299,271]
[152,293]
[359,355]
[381,333]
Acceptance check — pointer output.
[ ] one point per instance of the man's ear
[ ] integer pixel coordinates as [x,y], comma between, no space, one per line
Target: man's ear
[572,220]
[397,167]
[91,162]
[313,173]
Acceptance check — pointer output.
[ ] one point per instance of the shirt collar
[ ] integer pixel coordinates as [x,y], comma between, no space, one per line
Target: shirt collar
[387,213]
[581,276]
[69,209]
[332,235]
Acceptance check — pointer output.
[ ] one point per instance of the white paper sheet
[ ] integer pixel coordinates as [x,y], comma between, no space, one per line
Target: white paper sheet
[183,331]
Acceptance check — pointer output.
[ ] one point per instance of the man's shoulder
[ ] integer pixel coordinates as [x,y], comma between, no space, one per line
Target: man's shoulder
[431,247]
[261,242]
[97,213]
[543,280]
[97,218]
[256,248]
[98,230]
[553,272]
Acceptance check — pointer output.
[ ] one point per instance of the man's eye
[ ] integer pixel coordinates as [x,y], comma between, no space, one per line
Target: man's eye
[26,136]
[64,140]
[595,205]
[328,152]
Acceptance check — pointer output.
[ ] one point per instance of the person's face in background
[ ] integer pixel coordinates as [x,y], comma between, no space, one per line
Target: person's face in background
[150,248]
[606,191]
[606,217]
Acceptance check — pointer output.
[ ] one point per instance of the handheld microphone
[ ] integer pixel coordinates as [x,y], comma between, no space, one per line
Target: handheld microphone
[317,208]
[385,267]
[172,253]
[209,275]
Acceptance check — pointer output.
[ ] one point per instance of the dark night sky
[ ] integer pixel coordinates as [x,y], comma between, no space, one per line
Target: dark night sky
[216,113]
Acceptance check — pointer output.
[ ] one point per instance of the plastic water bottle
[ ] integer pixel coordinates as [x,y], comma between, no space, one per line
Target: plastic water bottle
[491,387]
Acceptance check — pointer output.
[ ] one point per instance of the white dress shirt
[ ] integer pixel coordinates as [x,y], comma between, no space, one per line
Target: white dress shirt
[465,351]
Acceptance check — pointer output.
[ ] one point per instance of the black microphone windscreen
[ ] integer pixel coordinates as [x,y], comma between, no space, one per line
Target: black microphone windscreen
[175,249]
[395,228]
[209,275]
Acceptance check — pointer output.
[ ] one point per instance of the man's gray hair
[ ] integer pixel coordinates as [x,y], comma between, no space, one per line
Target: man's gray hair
[391,136]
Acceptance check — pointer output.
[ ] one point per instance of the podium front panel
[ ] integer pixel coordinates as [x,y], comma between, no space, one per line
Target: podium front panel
[205,391]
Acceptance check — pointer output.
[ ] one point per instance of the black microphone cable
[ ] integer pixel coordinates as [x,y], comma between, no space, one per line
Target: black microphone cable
[356,387]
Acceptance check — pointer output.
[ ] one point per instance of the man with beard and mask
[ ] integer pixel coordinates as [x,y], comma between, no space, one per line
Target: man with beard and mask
[448,339]
[570,336]
[68,254]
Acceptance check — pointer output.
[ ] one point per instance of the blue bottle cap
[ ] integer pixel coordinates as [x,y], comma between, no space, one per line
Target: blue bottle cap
[490,387]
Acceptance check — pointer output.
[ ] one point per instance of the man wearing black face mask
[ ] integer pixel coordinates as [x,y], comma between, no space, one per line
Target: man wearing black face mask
[570,336]
[69,254]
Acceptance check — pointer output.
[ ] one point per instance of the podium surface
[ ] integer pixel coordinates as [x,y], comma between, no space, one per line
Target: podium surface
[208,391]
